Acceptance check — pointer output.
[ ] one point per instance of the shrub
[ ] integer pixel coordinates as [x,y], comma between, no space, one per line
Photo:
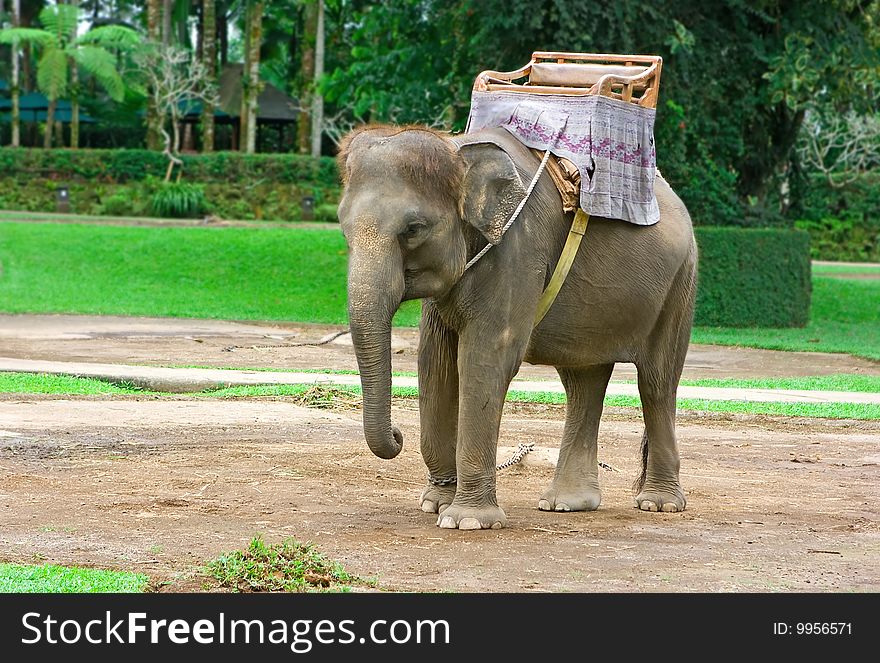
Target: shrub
[753,277]
[326,212]
[179,200]
[846,238]
[127,165]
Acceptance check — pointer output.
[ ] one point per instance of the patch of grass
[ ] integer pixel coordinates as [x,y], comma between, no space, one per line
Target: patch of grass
[845,317]
[224,273]
[48,578]
[289,566]
[348,396]
[42,383]
[838,382]
[814,410]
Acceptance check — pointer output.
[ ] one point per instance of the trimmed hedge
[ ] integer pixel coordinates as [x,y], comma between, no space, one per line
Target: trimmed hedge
[753,277]
[120,166]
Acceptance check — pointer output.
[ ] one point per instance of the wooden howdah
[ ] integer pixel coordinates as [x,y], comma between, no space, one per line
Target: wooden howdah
[630,78]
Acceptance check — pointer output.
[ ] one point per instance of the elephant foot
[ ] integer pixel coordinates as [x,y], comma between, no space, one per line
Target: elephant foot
[435,499]
[565,496]
[669,499]
[469,517]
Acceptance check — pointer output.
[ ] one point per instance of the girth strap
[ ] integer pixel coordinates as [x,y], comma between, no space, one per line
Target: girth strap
[569,251]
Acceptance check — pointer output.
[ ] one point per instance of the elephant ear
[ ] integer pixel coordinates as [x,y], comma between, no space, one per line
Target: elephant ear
[491,190]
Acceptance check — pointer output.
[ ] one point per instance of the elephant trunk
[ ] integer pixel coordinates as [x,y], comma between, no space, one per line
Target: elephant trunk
[375,290]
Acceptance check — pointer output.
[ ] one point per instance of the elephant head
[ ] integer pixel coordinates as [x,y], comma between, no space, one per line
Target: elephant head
[414,204]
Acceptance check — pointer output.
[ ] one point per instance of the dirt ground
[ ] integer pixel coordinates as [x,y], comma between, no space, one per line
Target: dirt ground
[159,485]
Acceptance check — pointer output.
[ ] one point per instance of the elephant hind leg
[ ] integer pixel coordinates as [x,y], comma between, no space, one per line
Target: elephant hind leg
[575,486]
[658,488]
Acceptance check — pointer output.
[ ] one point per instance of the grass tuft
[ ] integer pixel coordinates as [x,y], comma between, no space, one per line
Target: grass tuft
[289,566]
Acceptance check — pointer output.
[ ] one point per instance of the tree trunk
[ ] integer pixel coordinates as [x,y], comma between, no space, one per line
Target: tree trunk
[167,7]
[223,36]
[251,83]
[209,57]
[14,87]
[154,11]
[317,97]
[50,124]
[74,105]
[307,72]
[245,79]
[74,94]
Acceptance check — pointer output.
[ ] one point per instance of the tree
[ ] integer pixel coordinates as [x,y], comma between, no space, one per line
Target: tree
[61,49]
[250,83]
[14,88]
[154,34]
[209,57]
[306,76]
[318,98]
[839,147]
[175,79]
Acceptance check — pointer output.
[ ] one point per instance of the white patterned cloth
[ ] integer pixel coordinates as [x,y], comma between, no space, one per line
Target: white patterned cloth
[610,141]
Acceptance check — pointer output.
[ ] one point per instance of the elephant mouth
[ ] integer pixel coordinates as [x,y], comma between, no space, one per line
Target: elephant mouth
[410,282]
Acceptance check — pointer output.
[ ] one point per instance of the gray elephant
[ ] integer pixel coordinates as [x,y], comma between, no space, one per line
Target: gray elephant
[417,205]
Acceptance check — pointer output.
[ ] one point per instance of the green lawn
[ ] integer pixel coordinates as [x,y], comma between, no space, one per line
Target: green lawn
[47,578]
[848,268]
[299,274]
[844,317]
[839,382]
[294,274]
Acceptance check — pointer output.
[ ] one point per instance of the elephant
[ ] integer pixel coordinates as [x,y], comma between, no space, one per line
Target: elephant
[416,206]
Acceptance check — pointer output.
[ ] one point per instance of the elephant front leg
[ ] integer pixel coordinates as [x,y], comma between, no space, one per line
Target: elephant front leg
[438,409]
[484,376]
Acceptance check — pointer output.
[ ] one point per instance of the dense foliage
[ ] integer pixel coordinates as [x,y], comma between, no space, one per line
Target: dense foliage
[738,77]
[742,82]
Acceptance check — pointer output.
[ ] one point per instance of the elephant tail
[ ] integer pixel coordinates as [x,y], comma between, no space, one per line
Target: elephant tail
[639,483]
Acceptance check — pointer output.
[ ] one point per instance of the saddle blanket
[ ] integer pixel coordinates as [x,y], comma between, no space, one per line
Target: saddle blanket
[611,142]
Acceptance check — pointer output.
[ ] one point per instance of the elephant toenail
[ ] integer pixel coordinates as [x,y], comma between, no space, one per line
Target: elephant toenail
[447,523]
[669,507]
[469,523]
[648,505]
[497,525]
[428,507]
[544,505]
[563,507]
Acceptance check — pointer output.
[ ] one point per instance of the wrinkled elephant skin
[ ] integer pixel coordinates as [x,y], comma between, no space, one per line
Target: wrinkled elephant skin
[417,205]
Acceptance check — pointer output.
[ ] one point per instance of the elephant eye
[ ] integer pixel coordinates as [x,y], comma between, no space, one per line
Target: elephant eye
[413,228]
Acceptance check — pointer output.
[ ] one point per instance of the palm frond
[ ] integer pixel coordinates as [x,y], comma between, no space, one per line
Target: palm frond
[101,64]
[31,35]
[52,73]
[60,20]
[111,36]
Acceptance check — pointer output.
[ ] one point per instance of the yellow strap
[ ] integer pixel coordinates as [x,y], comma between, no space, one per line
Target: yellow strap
[569,251]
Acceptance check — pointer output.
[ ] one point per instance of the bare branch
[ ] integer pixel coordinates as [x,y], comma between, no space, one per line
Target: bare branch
[174,79]
[840,146]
